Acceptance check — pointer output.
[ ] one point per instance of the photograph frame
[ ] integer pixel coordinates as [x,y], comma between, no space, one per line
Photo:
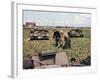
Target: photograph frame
[16,70]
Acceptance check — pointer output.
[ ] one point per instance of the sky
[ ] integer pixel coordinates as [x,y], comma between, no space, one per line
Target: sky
[44,18]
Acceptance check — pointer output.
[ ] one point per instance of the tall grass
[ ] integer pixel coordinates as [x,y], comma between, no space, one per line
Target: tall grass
[80,47]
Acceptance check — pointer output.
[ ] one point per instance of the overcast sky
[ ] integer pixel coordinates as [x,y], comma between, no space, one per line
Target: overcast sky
[44,18]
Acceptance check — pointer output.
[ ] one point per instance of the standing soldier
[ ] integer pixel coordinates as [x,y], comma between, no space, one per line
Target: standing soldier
[62,39]
[56,36]
[67,42]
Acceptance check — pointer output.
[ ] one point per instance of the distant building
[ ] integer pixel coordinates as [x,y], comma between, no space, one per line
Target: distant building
[30,24]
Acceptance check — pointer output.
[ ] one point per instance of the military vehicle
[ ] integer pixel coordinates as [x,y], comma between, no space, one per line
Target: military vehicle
[46,59]
[39,34]
[75,33]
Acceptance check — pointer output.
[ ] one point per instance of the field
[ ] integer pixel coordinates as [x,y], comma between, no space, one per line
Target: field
[80,47]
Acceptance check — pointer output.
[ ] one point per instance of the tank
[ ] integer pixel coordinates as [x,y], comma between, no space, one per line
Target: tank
[75,33]
[39,34]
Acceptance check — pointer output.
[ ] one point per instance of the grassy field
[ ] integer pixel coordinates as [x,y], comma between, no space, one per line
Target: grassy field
[80,47]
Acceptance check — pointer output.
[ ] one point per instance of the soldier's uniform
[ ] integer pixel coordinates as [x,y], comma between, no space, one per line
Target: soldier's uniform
[67,42]
[57,36]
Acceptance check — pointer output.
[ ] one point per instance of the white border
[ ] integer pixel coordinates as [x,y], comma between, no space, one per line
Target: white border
[17,70]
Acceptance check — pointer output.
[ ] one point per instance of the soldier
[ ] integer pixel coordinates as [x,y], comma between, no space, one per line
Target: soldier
[67,44]
[57,36]
[62,39]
